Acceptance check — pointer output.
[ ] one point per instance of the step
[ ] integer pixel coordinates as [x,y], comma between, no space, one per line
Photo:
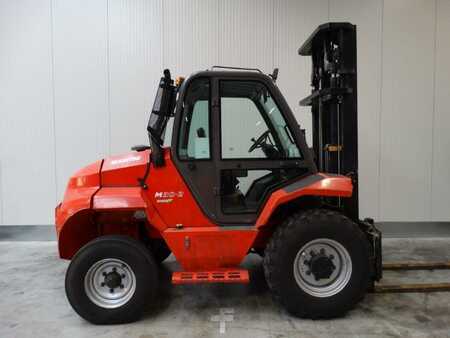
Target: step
[213,276]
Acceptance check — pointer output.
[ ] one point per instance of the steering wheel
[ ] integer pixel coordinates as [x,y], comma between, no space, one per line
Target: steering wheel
[259,142]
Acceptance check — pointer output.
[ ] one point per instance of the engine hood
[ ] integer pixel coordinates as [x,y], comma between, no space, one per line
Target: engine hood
[125,169]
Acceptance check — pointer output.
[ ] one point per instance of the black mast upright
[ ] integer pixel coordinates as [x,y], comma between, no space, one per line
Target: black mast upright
[333,102]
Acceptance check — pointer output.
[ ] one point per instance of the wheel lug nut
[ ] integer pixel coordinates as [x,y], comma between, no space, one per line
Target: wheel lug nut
[111,290]
[123,275]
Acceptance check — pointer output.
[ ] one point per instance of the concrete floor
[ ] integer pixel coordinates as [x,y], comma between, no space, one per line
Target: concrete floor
[33,303]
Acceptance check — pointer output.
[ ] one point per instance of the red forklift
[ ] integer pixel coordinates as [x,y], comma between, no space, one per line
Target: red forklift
[237,178]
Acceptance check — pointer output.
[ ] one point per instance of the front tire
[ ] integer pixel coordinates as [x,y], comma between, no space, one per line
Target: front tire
[111,280]
[317,264]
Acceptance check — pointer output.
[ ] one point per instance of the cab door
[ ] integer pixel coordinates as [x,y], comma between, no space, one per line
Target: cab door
[192,143]
[258,151]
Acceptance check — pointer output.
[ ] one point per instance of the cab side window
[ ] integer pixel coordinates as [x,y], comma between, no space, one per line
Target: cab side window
[240,120]
[252,126]
[194,139]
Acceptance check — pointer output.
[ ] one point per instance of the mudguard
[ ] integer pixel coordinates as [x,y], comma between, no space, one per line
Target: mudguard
[314,185]
[78,196]
[106,185]
[75,211]
[123,198]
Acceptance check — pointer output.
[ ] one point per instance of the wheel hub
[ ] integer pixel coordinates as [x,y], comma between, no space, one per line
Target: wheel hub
[321,265]
[113,280]
[110,283]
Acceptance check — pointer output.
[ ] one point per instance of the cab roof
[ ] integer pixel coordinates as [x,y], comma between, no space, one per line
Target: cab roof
[232,72]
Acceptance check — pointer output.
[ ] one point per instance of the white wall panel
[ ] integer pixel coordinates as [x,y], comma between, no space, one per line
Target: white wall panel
[407,106]
[190,33]
[81,85]
[367,16]
[80,77]
[26,129]
[441,142]
[246,34]
[135,62]
[292,28]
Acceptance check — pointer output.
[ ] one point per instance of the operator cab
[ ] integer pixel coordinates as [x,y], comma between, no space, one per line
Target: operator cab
[234,140]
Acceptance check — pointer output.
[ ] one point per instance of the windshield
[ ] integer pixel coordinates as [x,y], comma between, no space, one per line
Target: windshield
[279,124]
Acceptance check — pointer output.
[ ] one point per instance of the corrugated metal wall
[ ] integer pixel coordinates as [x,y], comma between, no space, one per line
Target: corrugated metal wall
[78,78]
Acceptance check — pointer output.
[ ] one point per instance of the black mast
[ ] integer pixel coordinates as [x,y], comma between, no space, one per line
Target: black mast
[333,102]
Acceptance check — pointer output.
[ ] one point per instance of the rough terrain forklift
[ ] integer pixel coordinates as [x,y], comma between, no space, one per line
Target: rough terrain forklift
[237,178]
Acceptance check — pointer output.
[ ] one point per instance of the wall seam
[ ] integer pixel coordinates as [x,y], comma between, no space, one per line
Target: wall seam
[381,109]
[108,79]
[219,58]
[329,6]
[162,33]
[273,35]
[52,67]
[433,109]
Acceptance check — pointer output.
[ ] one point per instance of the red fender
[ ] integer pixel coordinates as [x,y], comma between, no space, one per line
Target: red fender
[74,218]
[123,198]
[82,185]
[75,212]
[313,185]
[128,198]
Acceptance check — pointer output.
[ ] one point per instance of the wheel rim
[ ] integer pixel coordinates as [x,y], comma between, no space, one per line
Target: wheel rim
[322,267]
[110,283]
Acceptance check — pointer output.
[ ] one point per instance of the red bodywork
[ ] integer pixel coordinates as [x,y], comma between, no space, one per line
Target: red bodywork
[106,197]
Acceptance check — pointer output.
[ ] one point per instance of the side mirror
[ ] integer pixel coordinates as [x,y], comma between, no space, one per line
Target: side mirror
[274,75]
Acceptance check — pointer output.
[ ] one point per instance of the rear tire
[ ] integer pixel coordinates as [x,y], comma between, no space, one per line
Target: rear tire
[317,264]
[111,280]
